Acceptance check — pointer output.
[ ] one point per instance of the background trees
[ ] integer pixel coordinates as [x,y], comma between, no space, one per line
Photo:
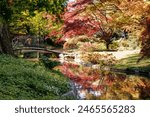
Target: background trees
[12,11]
[100,18]
[108,20]
[145,38]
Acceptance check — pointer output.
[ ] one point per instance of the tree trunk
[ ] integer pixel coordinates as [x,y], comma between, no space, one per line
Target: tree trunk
[5,40]
[107,46]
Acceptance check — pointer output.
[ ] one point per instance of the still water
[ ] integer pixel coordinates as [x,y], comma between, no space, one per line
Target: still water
[94,83]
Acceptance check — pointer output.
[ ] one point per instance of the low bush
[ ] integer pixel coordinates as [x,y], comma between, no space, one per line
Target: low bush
[49,63]
[91,47]
[84,43]
[96,58]
[114,46]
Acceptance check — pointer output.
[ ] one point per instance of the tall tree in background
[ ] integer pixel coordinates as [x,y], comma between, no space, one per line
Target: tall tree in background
[14,8]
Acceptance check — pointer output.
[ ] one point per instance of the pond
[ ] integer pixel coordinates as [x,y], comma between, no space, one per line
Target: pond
[90,82]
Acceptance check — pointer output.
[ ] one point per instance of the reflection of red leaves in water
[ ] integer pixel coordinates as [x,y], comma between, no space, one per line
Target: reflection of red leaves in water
[85,76]
[80,76]
[107,82]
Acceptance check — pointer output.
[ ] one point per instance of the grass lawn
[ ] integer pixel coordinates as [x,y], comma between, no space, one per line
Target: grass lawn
[131,63]
[21,79]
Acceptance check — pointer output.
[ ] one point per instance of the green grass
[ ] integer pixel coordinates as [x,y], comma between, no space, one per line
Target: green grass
[21,79]
[131,63]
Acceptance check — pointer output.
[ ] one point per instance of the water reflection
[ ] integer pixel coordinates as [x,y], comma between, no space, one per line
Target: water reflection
[89,83]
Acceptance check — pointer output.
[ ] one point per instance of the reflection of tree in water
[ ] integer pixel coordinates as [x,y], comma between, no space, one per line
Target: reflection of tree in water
[110,85]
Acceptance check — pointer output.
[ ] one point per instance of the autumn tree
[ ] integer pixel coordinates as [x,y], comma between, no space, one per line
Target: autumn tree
[91,18]
[103,18]
[136,13]
[145,38]
[12,11]
[76,22]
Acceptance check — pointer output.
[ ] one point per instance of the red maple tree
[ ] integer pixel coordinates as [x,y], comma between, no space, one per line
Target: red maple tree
[79,22]
[84,17]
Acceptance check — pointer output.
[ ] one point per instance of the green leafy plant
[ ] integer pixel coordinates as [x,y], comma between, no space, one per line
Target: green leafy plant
[49,63]
[21,79]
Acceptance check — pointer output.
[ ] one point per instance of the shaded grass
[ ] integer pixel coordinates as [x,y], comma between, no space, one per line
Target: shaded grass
[131,63]
[21,79]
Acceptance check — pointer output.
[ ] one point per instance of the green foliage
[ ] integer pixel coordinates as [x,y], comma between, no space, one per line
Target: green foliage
[33,25]
[114,45]
[20,79]
[31,17]
[9,7]
[49,63]
[21,17]
[27,15]
[100,46]
[5,10]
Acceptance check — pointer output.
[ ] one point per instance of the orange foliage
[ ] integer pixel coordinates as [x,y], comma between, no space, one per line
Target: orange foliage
[145,38]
